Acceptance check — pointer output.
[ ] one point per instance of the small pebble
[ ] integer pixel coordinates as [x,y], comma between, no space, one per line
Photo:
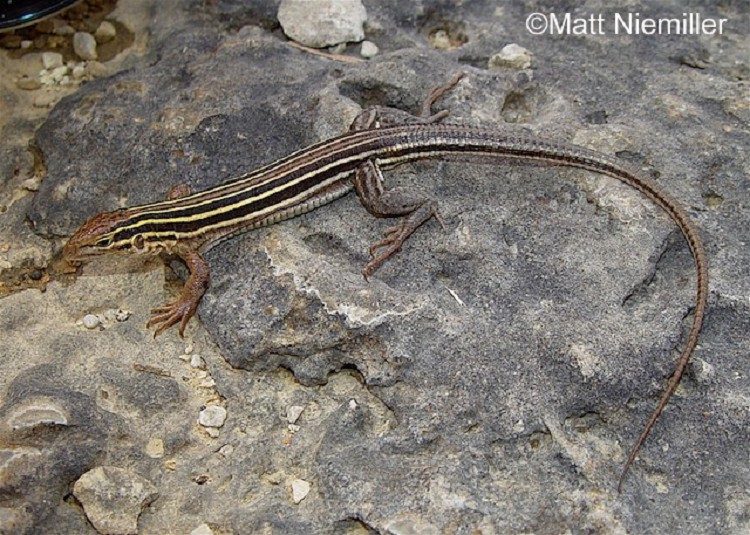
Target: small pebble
[91,321]
[512,56]
[337,49]
[26,44]
[122,315]
[702,372]
[79,71]
[84,45]
[105,32]
[64,29]
[58,73]
[155,448]
[226,450]
[212,416]
[31,184]
[203,529]
[197,362]
[300,490]
[96,69]
[44,100]
[52,60]
[369,49]
[440,40]
[293,413]
[28,84]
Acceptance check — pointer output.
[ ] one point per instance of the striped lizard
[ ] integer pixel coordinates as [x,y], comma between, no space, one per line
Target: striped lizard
[187,225]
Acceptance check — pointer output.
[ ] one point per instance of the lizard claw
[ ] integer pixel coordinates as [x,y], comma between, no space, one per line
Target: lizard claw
[165,316]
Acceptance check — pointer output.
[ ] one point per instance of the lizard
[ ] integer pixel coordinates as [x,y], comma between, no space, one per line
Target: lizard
[188,224]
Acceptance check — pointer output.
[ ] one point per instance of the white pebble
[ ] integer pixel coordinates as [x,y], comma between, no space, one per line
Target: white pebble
[511,56]
[26,44]
[203,529]
[197,362]
[293,413]
[208,383]
[84,45]
[51,60]
[300,490]
[212,416]
[58,73]
[91,321]
[79,72]
[369,49]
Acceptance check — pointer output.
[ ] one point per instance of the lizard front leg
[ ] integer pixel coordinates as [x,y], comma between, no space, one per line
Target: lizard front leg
[182,309]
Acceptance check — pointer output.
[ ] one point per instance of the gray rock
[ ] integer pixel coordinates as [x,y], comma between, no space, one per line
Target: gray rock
[84,45]
[113,498]
[321,23]
[489,378]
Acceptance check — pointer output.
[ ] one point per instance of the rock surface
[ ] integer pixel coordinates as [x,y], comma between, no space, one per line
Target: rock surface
[489,378]
[113,498]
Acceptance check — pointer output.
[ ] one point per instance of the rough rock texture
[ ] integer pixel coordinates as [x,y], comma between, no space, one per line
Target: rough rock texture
[113,498]
[490,378]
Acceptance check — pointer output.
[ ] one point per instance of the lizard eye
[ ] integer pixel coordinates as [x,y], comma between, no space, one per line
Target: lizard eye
[138,242]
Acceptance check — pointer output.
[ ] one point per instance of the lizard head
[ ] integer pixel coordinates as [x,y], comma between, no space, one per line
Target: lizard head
[100,235]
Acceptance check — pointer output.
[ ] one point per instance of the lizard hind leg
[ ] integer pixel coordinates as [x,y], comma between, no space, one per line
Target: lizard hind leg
[381,116]
[416,208]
